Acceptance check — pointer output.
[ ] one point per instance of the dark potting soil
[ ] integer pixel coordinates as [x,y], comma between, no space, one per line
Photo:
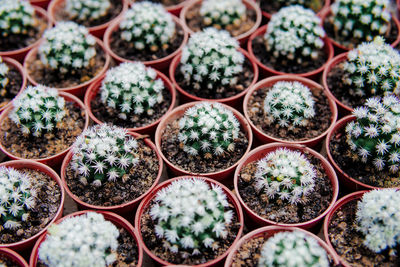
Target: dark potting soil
[12,88]
[53,78]
[282,64]
[365,173]
[317,125]
[48,144]
[48,200]
[273,6]
[166,3]
[140,178]
[281,211]
[171,148]
[7,261]
[348,242]
[245,78]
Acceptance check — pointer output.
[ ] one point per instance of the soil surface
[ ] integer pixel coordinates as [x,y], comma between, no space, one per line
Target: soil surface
[7,262]
[12,88]
[273,6]
[166,3]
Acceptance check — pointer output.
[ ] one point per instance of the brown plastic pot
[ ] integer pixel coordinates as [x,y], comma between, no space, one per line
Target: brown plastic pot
[27,244]
[259,153]
[326,5]
[270,231]
[233,101]
[146,202]
[264,137]
[55,160]
[78,90]
[14,256]
[109,216]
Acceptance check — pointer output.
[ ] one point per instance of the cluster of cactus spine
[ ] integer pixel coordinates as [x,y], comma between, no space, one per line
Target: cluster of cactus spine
[17,198]
[289,104]
[87,9]
[374,135]
[191,216]
[84,240]
[223,13]
[38,110]
[294,33]
[211,59]
[132,88]
[16,17]
[292,249]
[208,129]
[3,74]
[378,218]
[67,48]
[285,174]
[373,69]
[147,25]
[104,153]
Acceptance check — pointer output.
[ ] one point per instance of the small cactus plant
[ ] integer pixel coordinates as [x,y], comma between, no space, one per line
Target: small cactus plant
[147,25]
[38,110]
[17,198]
[67,48]
[223,13]
[84,240]
[103,153]
[374,136]
[292,249]
[191,216]
[294,34]
[87,9]
[286,174]
[16,17]
[211,59]
[132,88]
[3,75]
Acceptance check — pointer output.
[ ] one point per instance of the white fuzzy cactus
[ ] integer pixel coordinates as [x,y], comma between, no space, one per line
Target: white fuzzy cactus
[222,13]
[86,240]
[3,74]
[87,9]
[16,17]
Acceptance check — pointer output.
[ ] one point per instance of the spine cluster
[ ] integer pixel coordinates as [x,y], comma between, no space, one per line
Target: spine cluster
[87,9]
[16,17]
[223,13]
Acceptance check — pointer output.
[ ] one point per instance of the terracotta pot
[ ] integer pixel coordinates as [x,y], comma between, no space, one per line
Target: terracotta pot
[19,54]
[242,38]
[267,71]
[264,137]
[146,202]
[259,153]
[109,216]
[159,64]
[78,90]
[124,208]
[27,244]
[57,5]
[270,231]
[14,256]
[233,101]
[223,175]
[148,129]
[55,160]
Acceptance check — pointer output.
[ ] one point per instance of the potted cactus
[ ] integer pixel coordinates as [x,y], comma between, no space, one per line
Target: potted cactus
[190,221]
[269,7]
[9,257]
[172,6]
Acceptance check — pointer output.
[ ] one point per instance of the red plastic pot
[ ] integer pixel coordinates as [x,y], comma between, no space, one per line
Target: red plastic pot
[146,202]
[259,153]
[94,88]
[265,138]
[78,90]
[159,64]
[55,160]
[109,216]
[124,208]
[56,6]
[270,231]
[233,101]
[221,176]
[267,71]
[40,3]
[27,244]
[14,256]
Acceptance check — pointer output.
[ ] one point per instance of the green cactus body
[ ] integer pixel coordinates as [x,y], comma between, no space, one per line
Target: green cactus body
[16,17]
[3,75]
[87,9]
[223,12]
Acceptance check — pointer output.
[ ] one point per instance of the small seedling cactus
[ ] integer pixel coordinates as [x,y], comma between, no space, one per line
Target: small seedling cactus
[211,59]
[132,88]
[378,218]
[208,129]
[289,104]
[85,240]
[3,75]
[87,9]
[67,48]
[147,25]
[294,33]
[374,136]
[103,153]
[38,110]
[223,13]
[17,198]
[292,249]
[16,17]
[191,216]
[286,174]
